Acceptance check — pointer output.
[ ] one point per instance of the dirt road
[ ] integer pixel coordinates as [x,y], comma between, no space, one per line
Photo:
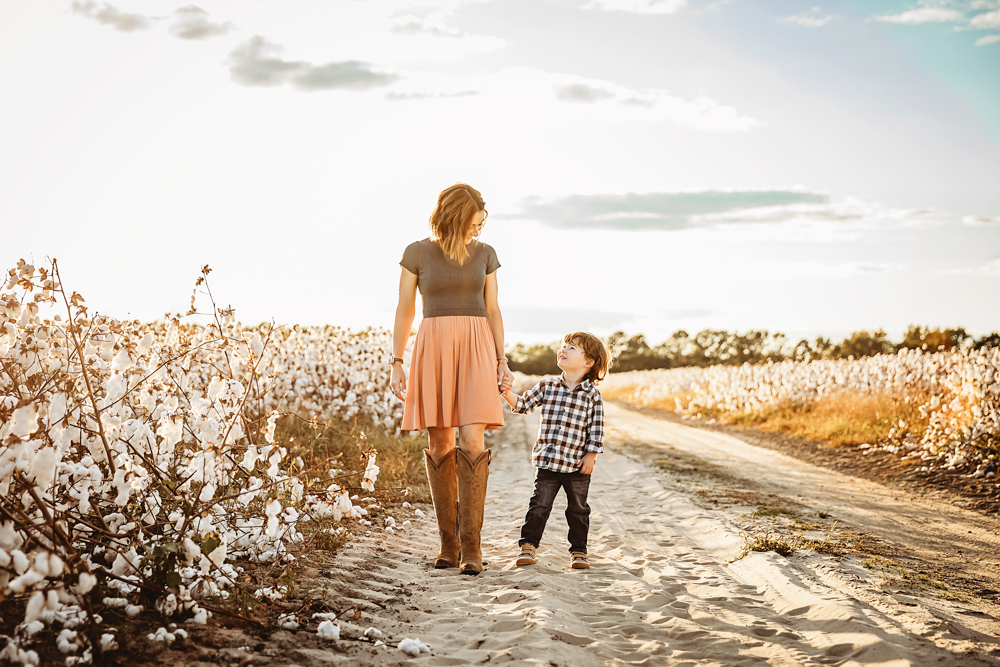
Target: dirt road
[668,585]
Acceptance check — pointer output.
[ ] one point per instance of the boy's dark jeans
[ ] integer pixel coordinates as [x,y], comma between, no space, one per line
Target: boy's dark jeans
[547,485]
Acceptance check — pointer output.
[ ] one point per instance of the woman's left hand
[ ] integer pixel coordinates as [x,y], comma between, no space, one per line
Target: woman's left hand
[505,379]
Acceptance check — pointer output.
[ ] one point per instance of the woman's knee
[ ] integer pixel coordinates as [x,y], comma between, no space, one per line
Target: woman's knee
[441,442]
[471,439]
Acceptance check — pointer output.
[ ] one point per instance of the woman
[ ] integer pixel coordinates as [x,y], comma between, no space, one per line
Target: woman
[457,368]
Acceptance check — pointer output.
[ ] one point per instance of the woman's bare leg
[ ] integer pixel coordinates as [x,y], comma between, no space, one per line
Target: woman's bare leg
[442,442]
[470,439]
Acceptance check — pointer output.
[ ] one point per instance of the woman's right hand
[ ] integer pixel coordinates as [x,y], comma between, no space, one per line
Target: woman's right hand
[397,381]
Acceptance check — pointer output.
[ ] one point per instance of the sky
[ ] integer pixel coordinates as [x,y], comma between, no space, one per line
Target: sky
[648,165]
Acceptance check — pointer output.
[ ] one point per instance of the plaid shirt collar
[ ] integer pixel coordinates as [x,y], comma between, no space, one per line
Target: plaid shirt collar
[585,384]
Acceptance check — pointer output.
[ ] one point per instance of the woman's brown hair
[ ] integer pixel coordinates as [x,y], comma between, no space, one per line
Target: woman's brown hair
[594,350]
[453,219]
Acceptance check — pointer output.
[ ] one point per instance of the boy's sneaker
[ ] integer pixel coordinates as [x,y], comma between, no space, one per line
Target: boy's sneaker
[578,561]
[527,555]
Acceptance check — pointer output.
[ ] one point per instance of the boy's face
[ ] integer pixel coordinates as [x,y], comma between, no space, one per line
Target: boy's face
[571,358]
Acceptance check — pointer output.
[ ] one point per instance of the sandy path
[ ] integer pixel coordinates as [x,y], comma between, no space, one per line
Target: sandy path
[931,529]
[663,589]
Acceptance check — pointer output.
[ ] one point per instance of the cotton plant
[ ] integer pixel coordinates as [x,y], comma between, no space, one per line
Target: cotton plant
[139,461]
[957,394]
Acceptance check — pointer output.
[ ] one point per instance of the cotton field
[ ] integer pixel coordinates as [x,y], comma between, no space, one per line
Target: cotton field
[958,394]
[138,461]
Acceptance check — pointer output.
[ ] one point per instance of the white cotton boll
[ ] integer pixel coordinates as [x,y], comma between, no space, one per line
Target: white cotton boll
[24,421]
[171,431]
[218,555]
[406,505]
[145,344]
[181,633]
[272,508]
[52,601]
[413,646]
[373,633]
[272,527]
[33,628]
[35,606]
[86,584]
[121,361]
[272,419]
[167,605]
[200,616]
[207,493]
[121,566]
[250,457]
[216,388]
[55,565]
[421,514]
[134,610]
[288,622]
[108,642]
[42,563]
[25,581]
[43,467]
[327,630]
[66,641]
[191,550]
[57,408]
[254,342]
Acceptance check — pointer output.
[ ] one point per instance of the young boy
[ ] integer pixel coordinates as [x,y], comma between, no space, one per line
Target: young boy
[569,440]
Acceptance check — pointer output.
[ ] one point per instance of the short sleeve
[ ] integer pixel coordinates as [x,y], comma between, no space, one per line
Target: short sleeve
[492,263]
[411,258]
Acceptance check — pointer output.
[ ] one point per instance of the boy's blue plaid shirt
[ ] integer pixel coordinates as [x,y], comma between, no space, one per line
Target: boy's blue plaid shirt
[572,423]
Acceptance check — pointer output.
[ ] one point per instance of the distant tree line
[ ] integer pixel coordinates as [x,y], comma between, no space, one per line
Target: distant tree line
[711,347]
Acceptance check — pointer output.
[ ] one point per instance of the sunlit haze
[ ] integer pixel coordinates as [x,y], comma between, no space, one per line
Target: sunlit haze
[648,165]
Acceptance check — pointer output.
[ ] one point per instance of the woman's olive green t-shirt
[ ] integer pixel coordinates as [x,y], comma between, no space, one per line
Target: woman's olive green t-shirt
[446,287]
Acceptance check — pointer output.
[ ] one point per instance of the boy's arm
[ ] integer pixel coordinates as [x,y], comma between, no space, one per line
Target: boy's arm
[510,397]
[595,432]
[522,405]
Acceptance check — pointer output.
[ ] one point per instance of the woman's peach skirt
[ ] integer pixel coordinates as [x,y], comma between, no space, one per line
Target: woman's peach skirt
[453,375]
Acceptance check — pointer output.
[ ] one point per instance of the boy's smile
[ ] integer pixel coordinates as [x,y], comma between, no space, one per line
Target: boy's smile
[571,359]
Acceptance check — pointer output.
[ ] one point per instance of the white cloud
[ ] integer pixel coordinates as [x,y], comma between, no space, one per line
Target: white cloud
[665,211]
[257,62]
[986,20]
[192,22]
[110,15]
[988,39]
[990,269]
[821,269]
[637,6]
[848,212]
[552,92]
[923,15]
[981,220]
[807,20]
[414,25]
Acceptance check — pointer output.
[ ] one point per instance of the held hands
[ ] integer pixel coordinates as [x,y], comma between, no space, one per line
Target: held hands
[587,465]
[397,382]
[505,379]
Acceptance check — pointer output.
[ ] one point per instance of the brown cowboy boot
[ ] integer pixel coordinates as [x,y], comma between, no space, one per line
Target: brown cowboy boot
[444,493]
[472,477]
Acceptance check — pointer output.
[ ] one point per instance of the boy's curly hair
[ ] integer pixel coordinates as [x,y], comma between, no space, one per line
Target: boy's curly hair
[594,350]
